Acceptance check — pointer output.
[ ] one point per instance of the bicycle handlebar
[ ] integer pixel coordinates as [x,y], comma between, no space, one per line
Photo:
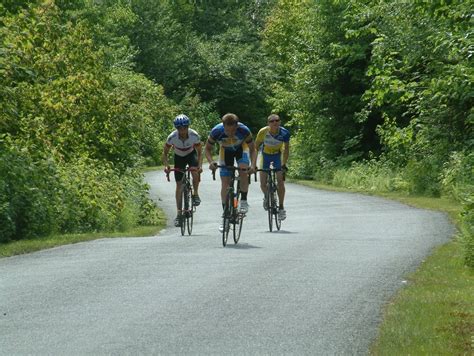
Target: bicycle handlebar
[268,170]
[190,169]
[232,168]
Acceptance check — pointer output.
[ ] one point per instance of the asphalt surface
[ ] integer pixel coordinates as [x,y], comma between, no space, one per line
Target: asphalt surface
[317,287]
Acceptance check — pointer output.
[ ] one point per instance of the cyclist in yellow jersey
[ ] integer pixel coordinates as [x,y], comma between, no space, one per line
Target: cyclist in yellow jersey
[273,143]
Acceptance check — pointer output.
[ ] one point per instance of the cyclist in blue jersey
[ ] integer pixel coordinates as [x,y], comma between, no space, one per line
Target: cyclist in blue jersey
[236,144]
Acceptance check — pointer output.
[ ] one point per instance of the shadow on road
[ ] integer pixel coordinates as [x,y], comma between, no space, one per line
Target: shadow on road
[281,232]
[241,246]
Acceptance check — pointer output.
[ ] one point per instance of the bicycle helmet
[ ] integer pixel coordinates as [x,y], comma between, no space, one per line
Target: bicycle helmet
[181,120]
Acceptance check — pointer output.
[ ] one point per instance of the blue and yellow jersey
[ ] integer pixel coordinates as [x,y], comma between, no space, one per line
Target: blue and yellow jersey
[272,144]
[231,143]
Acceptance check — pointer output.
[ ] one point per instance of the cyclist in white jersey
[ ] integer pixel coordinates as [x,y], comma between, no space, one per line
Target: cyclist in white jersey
[187,152]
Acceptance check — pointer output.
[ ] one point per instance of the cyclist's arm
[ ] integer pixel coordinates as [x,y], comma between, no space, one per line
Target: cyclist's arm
[258,143]
[208,149]
[164,156]
[252,152]
[259,138]
[198,148]
[286,153]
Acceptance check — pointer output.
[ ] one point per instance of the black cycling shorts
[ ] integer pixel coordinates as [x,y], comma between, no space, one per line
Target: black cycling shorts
[180,162]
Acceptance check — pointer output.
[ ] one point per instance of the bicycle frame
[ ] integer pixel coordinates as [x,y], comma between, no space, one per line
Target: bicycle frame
[232,215]
[271,197]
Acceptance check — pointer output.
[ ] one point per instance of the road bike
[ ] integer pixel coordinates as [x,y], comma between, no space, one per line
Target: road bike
[271,201]
[232,215]
[186,214]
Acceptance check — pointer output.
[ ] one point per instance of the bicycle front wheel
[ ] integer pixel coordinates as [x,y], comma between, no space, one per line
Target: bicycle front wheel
[189,211]
[226,226]
[226,219]
[189,221]
[184,210]
[276,216]
[238,222]
[270,207]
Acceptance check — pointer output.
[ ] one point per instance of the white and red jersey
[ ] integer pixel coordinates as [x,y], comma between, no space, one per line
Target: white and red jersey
[183,147]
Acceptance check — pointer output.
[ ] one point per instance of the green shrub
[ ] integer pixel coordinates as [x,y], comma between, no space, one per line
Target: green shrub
[371,175]
[457,174]
[467,227]
[28,200]
[457,181]
[423,176]
[39,196]
[98,197]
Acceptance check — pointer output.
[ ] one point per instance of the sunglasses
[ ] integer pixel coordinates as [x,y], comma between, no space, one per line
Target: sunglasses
[277,120]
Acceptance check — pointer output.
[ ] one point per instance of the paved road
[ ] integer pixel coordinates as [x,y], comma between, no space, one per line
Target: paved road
[317,287]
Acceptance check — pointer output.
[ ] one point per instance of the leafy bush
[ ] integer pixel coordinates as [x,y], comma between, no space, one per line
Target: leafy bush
[467,226]
[27,195]
[371,175]
[41,194]
[97,197]
[458,182]
[422,176]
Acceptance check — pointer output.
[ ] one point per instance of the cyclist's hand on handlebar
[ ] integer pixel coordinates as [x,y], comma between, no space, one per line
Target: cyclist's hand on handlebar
[199,169]
[167,169]
[213,166]
[252,170]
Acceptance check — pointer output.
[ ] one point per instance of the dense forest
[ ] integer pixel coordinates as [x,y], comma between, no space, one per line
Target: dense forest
[378,93]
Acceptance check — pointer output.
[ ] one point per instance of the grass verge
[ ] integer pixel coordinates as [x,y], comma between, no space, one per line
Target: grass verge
[434,313]
[31,245]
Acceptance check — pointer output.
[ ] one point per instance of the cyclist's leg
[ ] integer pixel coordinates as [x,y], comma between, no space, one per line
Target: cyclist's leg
[225,181]
[280,188]
[226,159]
[263,181]
[180,163]
[243,161]
[264,164]
[192,161]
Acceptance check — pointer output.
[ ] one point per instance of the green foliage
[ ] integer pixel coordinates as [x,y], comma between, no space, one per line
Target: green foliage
[371,176]
[43,196]
[182,47]
[321,77]
[203,115]
[139,116]
[233,76]
[97,197]
[70,128]
[28,194]
[166,47]
[457,182]
[422,83]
